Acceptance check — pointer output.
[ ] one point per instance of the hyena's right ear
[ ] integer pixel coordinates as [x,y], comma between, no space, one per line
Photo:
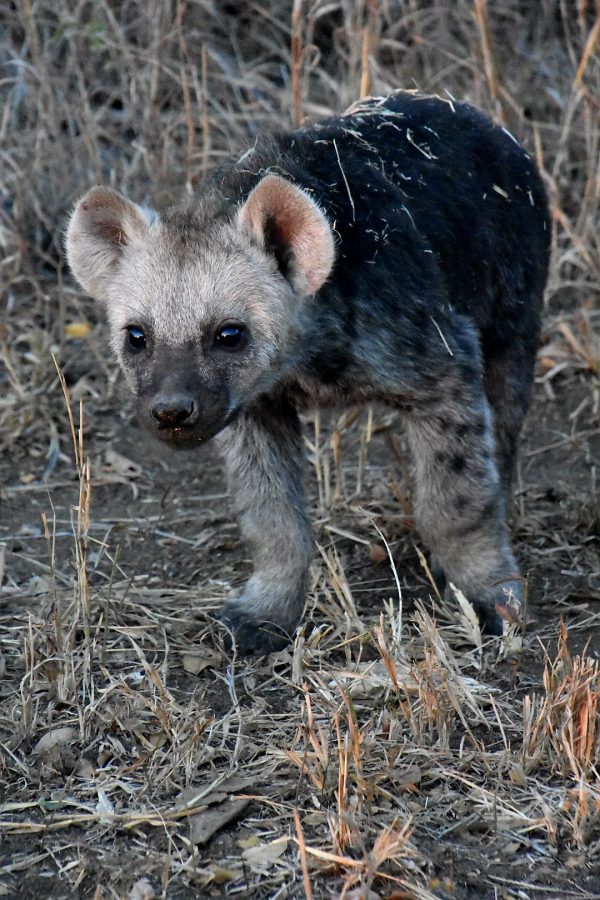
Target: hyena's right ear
[103,223]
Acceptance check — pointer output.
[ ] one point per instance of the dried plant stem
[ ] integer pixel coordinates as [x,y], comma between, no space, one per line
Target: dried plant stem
[187,102]
[296,74]
[481,15]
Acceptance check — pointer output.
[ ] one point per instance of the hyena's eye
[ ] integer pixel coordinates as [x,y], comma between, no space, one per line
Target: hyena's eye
[231,337]
[136,337]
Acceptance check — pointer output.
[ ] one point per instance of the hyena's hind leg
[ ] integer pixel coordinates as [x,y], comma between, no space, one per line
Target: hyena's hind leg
[508,379]
[458,499]
[508,383]
[264,459]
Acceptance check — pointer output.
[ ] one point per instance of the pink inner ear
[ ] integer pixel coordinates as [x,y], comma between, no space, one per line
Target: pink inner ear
[110,216]
[300,224]
[112,233]
[101,226]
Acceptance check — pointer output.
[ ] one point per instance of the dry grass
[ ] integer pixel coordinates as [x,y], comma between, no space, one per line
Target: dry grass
[388,752]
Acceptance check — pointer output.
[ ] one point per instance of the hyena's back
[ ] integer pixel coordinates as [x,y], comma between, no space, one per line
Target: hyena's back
[408,175]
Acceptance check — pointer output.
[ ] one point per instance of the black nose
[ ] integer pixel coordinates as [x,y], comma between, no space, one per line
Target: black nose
[173,410]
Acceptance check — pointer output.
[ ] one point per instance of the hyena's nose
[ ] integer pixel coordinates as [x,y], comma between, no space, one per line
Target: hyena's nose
[173,410]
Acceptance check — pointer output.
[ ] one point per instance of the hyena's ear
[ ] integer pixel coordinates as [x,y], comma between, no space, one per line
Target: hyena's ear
[103,223]
[290,225]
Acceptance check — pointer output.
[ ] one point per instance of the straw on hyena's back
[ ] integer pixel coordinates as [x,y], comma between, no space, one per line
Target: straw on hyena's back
[397,253]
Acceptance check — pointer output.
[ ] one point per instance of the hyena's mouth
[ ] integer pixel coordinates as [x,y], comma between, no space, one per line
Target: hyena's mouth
[182,435]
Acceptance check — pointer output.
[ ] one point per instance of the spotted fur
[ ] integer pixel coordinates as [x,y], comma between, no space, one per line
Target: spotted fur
[397,253]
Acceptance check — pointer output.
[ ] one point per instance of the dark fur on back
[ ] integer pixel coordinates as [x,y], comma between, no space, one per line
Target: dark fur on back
[413,176]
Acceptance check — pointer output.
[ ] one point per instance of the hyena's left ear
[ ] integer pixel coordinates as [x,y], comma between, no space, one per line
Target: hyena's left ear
[101,227]
[288,224]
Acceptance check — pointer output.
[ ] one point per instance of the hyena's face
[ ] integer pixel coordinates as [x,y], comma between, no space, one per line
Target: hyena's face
[202,320]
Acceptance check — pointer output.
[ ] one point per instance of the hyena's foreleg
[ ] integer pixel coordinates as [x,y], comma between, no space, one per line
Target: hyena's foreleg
[264,460]
[459,501]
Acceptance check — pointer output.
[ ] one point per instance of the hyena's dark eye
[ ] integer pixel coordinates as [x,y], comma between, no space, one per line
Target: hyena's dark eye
[230,337]
[136,337]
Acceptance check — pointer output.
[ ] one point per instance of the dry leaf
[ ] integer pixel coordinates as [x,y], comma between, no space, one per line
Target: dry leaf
[84,769]
[372,678]
[361,894]
[246,843]
[206,794]
[77,330]
[378,554]
[257,857]
[156,740]
[141,890]
[511,848]
[58,737]
[316,817]
[194,663]
[222,876]
[120,465]
[410,777]
[104,806]
[207,823]
[39,584]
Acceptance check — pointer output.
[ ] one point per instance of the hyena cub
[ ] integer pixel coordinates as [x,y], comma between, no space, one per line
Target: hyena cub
[396,253]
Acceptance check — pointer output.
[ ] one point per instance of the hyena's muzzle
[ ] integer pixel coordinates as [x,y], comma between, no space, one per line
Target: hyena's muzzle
[178,407]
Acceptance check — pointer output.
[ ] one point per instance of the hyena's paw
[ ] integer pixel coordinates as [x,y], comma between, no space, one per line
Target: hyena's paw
[504,602]
[265,616]
[252,633]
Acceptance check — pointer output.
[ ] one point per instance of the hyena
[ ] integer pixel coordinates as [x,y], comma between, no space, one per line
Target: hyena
[396,253]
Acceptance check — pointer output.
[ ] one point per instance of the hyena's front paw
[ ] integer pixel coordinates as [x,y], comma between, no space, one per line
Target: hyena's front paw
[264,618]
[501,603]
[251,633]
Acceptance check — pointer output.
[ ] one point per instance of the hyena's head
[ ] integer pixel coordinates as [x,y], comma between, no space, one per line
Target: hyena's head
[204,304]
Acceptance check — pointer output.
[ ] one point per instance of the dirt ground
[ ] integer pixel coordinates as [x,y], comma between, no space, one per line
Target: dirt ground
[389,752]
